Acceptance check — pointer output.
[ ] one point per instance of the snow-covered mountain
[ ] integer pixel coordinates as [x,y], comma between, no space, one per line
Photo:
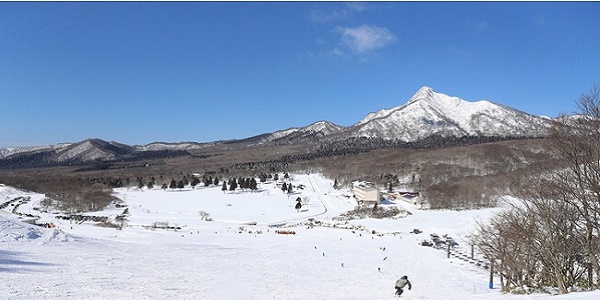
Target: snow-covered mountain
[158,146]
[429,113]
[316,130]
[92,150]
[313,131]
[6,152]
[86,150]
[426,114]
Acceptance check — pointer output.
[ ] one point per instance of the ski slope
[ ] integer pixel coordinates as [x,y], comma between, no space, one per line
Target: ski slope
[227,258]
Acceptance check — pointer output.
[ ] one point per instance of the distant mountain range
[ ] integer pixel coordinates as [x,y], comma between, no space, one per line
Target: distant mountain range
[426,114]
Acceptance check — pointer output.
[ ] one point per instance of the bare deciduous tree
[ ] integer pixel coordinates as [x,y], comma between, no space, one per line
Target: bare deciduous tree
[577,178]
[550,236]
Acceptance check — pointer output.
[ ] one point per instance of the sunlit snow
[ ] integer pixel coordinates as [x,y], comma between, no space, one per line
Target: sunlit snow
[230,258]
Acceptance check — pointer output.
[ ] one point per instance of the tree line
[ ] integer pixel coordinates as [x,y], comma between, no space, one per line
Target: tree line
[357,145]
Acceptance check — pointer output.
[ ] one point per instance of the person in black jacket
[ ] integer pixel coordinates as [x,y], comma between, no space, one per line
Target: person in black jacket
[401,283]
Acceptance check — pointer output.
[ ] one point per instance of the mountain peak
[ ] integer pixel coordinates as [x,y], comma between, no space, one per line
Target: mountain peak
[429,113]
[322,126]
[424,92]
[427,96]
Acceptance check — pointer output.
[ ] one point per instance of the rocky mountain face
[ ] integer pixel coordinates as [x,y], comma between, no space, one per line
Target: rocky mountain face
[427,114]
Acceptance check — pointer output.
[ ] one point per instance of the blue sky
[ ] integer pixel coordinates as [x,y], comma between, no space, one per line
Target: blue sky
[137,73]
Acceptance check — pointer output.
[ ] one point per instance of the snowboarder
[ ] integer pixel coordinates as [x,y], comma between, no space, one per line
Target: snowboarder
[401,283]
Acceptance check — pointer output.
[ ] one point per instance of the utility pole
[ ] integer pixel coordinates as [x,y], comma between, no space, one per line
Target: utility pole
[473,252]
[491,274]
[590,275]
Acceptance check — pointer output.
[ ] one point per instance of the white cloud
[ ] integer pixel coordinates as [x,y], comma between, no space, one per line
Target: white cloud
[356,6]
[343,13]
[366,38]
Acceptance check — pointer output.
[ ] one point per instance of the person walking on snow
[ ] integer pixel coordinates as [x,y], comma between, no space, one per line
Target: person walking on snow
[401,283]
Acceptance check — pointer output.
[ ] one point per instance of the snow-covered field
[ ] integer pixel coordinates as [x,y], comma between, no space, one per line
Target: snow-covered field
[239,254]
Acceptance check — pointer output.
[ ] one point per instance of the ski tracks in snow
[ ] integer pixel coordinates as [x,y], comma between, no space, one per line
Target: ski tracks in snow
[329,208]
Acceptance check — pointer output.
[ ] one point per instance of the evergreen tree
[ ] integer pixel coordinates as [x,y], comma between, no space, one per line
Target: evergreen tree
[253,184]
[233,185]
[164,186]
[286,176]
[224,188]
[195,181]
[284,187]
[173,184]
[216,181]
[289,188]
[180,184]
[276,177]
[150,185]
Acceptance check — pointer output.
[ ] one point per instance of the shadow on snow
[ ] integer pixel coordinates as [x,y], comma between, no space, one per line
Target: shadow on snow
[13,262]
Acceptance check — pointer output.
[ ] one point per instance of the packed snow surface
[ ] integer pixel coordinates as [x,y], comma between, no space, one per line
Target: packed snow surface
[241,253]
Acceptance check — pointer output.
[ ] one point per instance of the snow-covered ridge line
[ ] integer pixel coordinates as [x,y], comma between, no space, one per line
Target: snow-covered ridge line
[322,128]
[159,146]
[87,149]
[425,114]
[429,113]
[6,152]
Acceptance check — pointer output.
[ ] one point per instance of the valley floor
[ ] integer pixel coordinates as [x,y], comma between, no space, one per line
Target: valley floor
[228,259]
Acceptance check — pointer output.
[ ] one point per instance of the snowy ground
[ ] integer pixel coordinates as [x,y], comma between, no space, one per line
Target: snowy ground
[227,258]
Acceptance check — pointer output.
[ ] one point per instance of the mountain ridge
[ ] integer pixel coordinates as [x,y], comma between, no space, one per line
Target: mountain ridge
[429,113]
[426,114]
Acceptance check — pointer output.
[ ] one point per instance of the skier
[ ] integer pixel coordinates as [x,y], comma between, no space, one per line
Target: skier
[401,283]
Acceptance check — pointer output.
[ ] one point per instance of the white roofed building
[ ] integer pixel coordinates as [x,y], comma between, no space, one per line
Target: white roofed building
[365,192]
